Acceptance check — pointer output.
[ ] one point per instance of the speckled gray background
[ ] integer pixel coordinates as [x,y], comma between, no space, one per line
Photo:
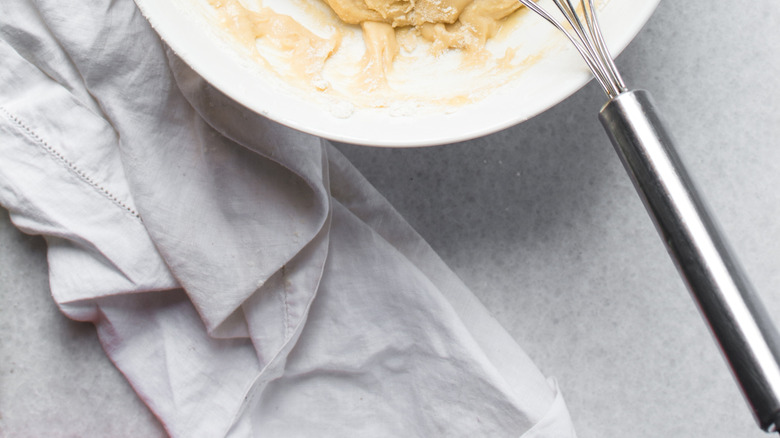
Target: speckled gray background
[542,223]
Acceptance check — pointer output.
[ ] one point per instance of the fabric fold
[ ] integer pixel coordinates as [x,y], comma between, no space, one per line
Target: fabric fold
[60,165]
[244,277]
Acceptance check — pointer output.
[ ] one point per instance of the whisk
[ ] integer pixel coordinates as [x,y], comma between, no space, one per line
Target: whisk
[737,319]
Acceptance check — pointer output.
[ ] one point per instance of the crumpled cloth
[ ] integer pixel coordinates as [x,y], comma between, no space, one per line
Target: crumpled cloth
[244,277]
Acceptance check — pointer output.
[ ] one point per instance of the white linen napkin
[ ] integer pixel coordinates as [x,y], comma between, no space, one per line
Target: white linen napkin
[244,277]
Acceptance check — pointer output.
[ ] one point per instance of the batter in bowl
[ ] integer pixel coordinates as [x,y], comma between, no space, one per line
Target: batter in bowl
[464,24]
[387,27]
[448,24]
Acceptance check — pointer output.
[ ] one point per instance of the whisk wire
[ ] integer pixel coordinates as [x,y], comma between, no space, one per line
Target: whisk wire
[584,33]
[593,24]
[587,40]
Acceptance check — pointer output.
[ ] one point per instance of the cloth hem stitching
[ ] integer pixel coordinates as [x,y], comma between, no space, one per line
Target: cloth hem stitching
[69,164]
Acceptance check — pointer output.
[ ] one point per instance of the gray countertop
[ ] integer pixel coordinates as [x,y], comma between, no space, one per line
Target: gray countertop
[541,221]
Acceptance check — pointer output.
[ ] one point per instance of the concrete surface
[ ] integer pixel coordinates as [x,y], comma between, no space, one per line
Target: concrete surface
[542,223]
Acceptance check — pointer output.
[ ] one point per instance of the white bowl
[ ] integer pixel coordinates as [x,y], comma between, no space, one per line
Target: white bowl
[556,72]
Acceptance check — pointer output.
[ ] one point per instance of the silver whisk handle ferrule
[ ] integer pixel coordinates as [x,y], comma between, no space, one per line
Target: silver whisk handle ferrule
[737,319]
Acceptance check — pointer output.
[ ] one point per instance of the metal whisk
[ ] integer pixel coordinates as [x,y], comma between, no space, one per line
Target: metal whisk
[737,319]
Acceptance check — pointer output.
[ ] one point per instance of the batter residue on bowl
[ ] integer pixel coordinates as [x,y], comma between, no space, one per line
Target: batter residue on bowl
[388,28]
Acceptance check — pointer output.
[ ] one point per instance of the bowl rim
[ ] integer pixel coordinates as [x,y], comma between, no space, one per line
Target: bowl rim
[207,57]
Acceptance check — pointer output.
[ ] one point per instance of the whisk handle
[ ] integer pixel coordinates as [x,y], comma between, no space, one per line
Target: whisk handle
[737,319]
